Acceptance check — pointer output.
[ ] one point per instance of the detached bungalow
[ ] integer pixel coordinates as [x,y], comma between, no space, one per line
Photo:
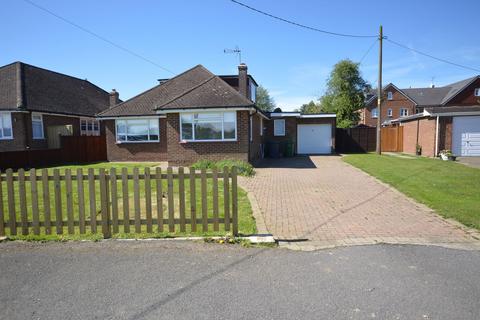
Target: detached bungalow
[198,115]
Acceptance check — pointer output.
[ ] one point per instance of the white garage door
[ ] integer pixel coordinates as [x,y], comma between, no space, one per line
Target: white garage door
[466,136]
[314,138]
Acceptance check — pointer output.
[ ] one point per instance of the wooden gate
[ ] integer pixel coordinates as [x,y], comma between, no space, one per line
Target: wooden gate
[392,139]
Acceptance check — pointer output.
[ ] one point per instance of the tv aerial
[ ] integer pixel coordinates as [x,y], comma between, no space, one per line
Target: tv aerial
[236,51]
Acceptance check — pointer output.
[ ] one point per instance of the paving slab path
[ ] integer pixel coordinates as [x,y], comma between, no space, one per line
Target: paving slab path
[320,201]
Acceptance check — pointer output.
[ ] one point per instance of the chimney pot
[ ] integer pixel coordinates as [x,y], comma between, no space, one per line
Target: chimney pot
[114,98]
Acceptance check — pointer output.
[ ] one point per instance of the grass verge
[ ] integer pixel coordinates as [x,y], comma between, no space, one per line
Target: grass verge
[451,189]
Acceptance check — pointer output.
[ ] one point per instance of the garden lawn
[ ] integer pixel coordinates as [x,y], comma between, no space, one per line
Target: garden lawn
[245,218]
[451,189]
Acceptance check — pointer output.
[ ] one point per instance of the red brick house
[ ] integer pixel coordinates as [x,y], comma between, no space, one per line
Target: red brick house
[198,115]
[437,118]
[36,105]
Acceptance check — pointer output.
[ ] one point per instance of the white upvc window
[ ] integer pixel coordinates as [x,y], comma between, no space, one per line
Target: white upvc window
[279,127]
[89,127]
[389,95]
[477,92]
[261,126]
[208,126]
[253,91]
[403,112]
[37,126]
[6,131]
[374,113]
[137,130]
[390,112]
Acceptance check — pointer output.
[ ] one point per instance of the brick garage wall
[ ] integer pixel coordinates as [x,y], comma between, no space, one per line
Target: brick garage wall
[291,128]
[154,151]
[183,154]
[399,101]
[445,133]
[256,144]
[425,128]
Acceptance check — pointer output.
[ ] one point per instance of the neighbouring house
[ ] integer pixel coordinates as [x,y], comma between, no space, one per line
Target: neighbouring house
[434,118]
[38,105]
[199,115]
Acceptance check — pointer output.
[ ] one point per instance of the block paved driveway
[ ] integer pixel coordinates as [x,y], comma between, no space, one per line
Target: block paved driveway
[329,203]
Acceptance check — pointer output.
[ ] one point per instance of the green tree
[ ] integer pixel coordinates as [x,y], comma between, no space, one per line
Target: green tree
[264,101]
[309,108]
[345,93]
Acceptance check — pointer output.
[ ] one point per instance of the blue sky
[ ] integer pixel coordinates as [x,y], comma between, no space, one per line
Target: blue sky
[292,63]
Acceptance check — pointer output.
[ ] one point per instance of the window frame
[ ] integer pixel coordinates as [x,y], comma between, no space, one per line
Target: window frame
[118,141]
[261,126]
[374,113]
[193,139]
[406,111]
[390,112]
[2,114]
[476,92]
[389,95]
[33,114]
[89,127]
[275,128]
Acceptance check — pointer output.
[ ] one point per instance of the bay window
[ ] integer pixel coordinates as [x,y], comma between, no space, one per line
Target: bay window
[37,126]
[137,130]
[6,131]
[208,126]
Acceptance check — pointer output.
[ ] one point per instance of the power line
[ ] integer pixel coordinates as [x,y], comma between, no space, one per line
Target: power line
[368,51]
[302,25]
[432,57]
[133,53]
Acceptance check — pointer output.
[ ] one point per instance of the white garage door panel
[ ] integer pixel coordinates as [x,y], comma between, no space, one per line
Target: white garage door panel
[466,136]
[314,138]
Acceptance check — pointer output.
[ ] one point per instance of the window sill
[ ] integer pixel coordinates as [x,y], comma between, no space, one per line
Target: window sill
[6,138]
[135,142]
[38,138]
[194,141]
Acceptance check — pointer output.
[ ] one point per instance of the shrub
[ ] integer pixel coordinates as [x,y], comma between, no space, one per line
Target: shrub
[244,168]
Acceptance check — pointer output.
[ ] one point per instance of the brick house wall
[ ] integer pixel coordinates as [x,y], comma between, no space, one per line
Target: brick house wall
[183,154]
[467,96]
[22,131]
[149,151]
[257,141]
[398,102]
[424,131]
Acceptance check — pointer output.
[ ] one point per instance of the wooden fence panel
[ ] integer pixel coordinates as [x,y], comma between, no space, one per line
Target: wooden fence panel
[34,211]
[392,139]
[360,139]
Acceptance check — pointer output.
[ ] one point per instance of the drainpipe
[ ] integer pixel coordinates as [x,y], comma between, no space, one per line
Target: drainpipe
[436,136]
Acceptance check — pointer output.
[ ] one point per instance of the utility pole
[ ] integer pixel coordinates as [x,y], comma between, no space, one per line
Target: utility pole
[379,94]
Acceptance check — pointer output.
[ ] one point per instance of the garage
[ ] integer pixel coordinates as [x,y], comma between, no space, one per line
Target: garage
[314,139]
[466,136]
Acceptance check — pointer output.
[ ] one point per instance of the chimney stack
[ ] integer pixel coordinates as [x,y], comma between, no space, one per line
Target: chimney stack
[114,98]
[243,80]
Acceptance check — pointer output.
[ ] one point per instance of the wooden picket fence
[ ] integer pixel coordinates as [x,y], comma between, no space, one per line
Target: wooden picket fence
[38,202]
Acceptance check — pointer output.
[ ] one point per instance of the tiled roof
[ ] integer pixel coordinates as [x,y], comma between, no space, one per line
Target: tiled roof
[26,87]
[194,88]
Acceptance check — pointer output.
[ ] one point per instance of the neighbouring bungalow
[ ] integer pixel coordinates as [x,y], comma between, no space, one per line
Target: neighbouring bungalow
[38,105]
[199,115]
[435,118]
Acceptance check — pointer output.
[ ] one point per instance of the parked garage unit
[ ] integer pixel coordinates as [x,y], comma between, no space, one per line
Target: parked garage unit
[466,136]
[314,139]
